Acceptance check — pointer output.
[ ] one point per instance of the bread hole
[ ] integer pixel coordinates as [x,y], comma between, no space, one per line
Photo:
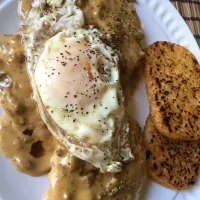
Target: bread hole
[28,132]
[20,109]
[81,3]
[91,178]
[37,149]
[59,152]
[20,57]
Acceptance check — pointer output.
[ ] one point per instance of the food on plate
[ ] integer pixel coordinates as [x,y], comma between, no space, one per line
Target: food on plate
[173,87]
[172,128]
[24,138]
[171,163]
[121,27]
[28,150]
[79,87]
[32,150]
[76,82]
[76,179]
[80,72]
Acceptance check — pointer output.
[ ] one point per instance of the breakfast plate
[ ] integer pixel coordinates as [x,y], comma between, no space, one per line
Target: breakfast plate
[161,22]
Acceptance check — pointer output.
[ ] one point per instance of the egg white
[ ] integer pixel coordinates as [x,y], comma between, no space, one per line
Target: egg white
[97,122]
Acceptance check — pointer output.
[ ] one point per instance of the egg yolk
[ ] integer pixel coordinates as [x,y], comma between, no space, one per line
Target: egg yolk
[74,73]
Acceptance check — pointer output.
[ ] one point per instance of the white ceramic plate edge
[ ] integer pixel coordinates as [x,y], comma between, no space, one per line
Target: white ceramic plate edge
[175,30]
[172,24]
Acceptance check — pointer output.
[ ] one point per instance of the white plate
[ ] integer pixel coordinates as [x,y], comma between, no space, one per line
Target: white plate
[161,22]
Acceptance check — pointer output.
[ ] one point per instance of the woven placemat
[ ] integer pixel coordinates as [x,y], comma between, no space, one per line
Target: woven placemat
[190,11]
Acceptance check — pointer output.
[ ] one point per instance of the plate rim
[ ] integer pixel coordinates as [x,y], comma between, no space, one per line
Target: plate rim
[172,24]
[156,7]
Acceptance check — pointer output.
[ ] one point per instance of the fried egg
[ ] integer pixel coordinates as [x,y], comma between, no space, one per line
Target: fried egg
[75,79]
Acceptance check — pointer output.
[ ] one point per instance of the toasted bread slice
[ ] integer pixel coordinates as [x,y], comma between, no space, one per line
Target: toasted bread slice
[173,164]
[173,87]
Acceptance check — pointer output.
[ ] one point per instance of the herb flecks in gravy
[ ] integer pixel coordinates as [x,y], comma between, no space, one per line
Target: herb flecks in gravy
[72,178]
[120,25]
[27,143]
[21,126]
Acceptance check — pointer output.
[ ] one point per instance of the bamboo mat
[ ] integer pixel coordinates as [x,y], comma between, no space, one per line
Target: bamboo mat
[190,11]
